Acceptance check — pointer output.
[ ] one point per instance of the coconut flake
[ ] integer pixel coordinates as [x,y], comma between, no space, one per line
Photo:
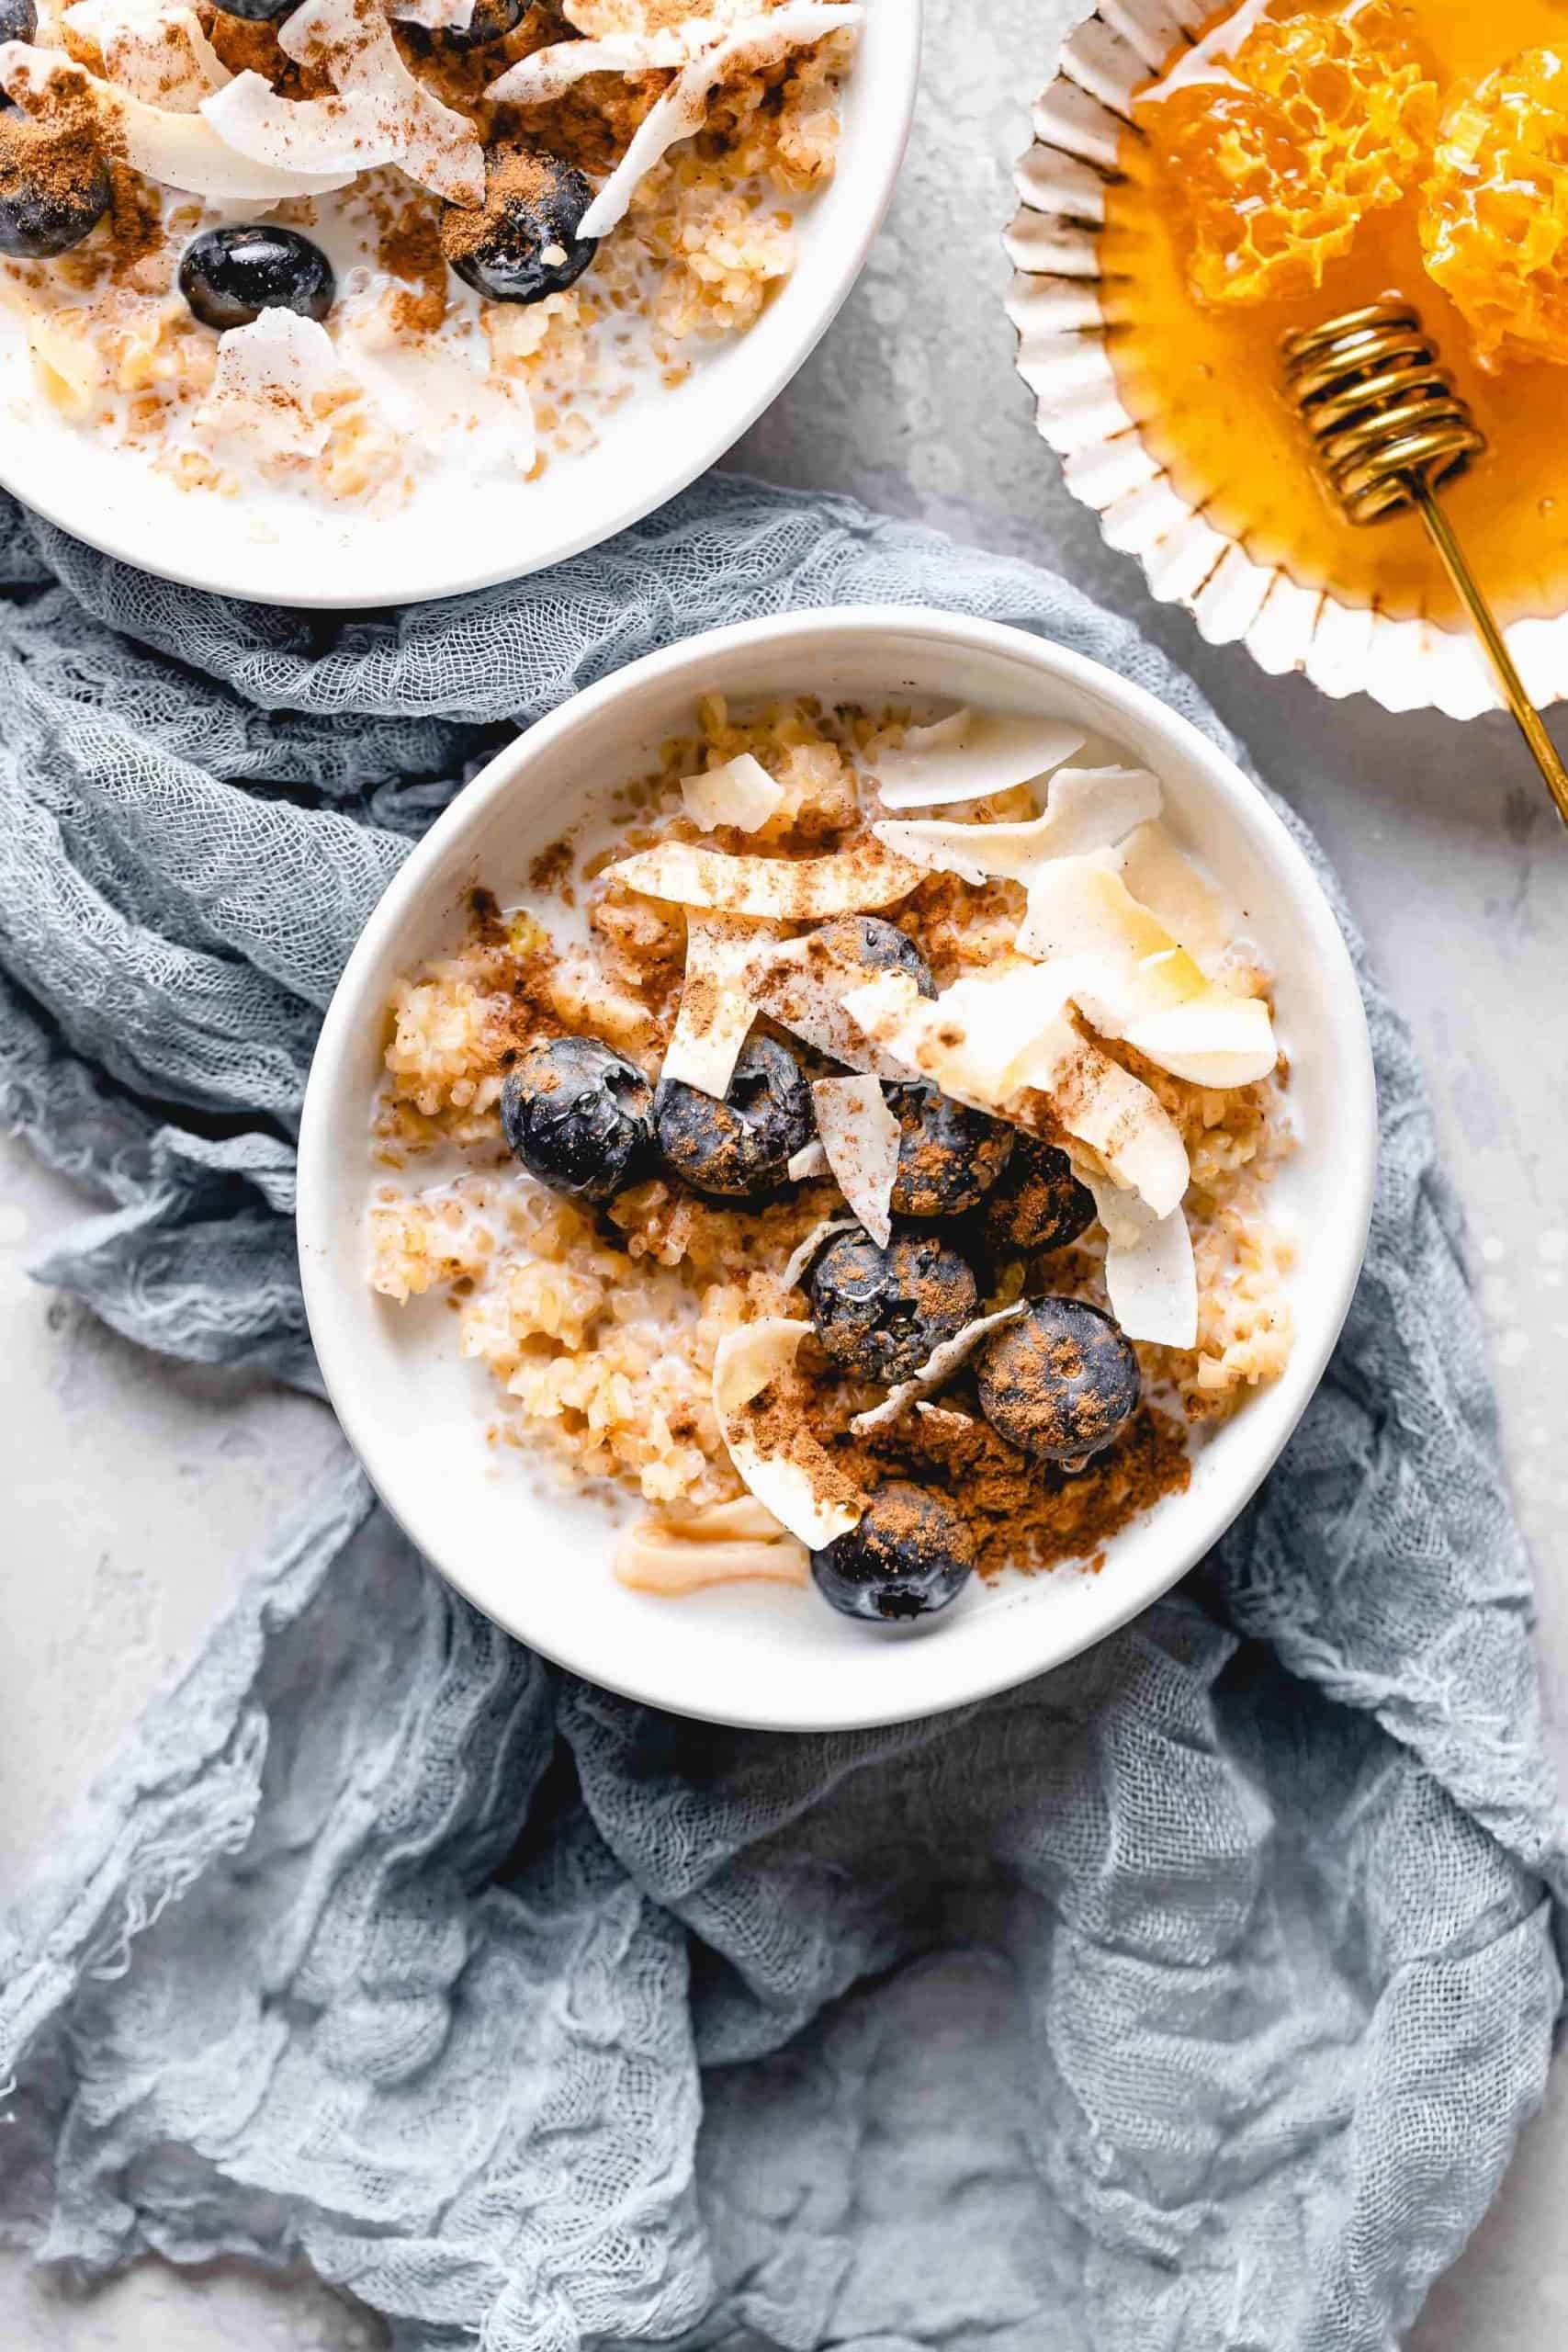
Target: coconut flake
[861,1137]
[742,794]
[269,378]
[1088,808]
[800,1256]
[803,988]
[435,16]
[746,1362]
[809,1160]
[180,150]
[1162,878]
[987,1043]
[154,49]
[350,42]
[800,889]
[938,1368]
[971,756]
[735,1543]
[702,50]
[349,133]
[1150,1274]
[718,1002]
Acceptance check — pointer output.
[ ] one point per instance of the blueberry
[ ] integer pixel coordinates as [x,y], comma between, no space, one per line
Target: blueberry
[1039,1205]
[54,188]
[491,20]
[744,1145]
[880,1312]
[911,1556]
[949,1157]
[230,276]
[1058,1382]
[579,1117]
[19,19]
[524,243]
[257,12]
[866,944]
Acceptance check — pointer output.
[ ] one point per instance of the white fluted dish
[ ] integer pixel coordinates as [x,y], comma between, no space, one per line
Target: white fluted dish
[1053,243]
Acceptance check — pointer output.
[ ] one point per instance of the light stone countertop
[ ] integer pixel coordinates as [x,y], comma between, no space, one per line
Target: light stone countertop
[139,1489]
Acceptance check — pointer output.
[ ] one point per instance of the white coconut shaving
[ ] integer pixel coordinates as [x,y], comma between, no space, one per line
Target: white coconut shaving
[798,1264]
[350,42]
[798,889]
[742,794]
[735,1543]
[267,387]
[718,1002]
[435,16]
[1150,1274]
[350,133]
[180,150]
[971,756]
[804,991]
[703,51]
[808,1161]
[1088,808]
[938,1369]
[861,1137]
[1176,892]
[988,1042]
[156,50]
[746,1362]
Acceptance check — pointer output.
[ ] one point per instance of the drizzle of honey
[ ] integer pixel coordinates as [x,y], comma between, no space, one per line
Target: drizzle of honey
[1202,382]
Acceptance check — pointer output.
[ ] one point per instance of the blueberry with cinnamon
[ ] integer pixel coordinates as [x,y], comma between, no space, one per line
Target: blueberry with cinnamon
[879,1313]
[948,1156]
[1059,1381]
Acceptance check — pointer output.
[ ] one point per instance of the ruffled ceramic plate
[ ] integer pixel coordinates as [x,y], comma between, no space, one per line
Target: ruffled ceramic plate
[1053,243]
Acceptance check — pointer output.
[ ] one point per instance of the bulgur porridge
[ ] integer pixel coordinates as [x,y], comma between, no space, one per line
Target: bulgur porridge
[343,248]
[854,1141]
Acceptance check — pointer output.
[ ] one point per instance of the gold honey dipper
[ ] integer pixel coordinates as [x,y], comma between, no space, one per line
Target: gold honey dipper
[1388,428]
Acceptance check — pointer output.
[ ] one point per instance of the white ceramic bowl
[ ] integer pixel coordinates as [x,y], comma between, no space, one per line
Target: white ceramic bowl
[538,1560]
[440,544]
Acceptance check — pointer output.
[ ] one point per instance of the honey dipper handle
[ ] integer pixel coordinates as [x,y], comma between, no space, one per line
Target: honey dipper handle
[1532,726]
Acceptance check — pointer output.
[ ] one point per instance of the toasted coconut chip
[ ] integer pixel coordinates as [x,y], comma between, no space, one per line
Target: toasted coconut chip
[861,1137]
[971,756]
[718,1002]
[938,1368]
[181,150]
[703,51]
[798,1486]
[155,49]
[799,1261]
[742,794]
[1088,808]
[989,1042]
[1166,881]
[350,133]
[797,889]
[804,991]
[435,16]
[1131,981]
[268,383]
[736,1543]
[1150,1274]
[353,45]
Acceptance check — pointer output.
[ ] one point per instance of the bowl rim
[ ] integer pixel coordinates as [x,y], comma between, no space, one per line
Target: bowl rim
[1109,48]
[892,631]
[829,265]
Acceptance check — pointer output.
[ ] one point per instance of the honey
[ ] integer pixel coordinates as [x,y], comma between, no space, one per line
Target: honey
[1286,169]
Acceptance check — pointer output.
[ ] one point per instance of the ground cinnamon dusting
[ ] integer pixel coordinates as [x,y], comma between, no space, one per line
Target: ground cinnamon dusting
[513,175]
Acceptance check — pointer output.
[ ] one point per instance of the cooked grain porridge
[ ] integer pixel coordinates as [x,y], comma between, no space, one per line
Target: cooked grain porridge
[343,248]
[854,1141]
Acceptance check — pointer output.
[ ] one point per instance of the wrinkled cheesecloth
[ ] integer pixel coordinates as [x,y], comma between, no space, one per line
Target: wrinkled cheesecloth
[1192,1996]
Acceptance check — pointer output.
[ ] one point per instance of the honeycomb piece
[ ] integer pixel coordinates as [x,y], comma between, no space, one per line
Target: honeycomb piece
[1494,211]
[1314,121]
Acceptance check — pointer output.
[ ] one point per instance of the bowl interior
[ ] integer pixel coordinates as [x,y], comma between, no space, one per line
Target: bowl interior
[284,549]
[536,1559]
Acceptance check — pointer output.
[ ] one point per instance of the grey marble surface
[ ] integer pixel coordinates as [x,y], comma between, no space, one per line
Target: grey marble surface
[137,1490]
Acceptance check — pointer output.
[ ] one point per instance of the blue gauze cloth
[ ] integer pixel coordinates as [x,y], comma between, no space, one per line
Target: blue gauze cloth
[1192,1997]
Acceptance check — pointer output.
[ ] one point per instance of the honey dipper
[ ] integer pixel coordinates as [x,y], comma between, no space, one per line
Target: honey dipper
[1388,428]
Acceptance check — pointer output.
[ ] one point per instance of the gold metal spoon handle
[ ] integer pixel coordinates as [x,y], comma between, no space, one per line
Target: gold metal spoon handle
[1531,725]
